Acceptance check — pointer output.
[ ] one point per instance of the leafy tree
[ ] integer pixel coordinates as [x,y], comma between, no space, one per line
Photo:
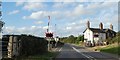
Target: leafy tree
[80,38]
[71,39]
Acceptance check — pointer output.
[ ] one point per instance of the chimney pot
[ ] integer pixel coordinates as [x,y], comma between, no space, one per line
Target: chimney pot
[101,25]
[88,24]
[111,27]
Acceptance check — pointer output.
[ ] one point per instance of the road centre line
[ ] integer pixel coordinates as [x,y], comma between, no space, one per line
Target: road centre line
[88,56]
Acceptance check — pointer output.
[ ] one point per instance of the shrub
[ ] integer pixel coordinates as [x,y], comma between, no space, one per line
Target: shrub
[31,45]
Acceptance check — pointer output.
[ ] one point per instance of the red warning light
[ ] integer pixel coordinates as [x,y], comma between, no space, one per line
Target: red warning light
[49,34]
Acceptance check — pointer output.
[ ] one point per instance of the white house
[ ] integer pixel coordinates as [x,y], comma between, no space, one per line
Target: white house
[97,35]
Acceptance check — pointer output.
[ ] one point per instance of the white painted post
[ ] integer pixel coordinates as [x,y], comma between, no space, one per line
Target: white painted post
[10,47]
[56,39]
[0,47]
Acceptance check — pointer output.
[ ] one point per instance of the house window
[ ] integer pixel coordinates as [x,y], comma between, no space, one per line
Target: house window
[96,35]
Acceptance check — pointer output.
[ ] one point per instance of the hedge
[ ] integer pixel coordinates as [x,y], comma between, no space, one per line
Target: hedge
[31,45]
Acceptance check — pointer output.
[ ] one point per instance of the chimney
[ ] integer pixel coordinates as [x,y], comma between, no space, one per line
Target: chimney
[101,26]
[111,27]
[88,24]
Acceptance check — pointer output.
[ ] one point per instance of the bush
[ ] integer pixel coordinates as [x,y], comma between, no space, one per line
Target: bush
[31,45]
[115,39]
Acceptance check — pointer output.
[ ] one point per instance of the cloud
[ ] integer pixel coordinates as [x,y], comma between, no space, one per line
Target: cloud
[14,12]
[65,0]
[40,15]
[70,21]
[39,22]
[63,5]
[24,17]
[61,0]
[77,17]
[71,28]
[33,30]
[68,28]
[81,10]
[78,10]
[45,27]
[19,3]
[34,6]
[58,5]
[9,29]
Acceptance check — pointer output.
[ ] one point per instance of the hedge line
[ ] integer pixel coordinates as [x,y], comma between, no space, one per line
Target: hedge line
[31,45]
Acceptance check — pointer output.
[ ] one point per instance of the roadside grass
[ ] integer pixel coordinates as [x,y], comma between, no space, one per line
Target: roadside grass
[45,56]
[113,49]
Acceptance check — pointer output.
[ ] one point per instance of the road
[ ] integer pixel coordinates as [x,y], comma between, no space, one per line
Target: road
[72,52]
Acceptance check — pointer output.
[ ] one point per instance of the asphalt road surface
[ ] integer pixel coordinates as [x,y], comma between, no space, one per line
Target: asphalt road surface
[72,52]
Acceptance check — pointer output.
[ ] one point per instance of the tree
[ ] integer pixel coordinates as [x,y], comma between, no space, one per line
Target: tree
[80,38]
[71,39]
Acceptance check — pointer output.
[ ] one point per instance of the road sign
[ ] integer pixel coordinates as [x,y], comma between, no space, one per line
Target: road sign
[56,39]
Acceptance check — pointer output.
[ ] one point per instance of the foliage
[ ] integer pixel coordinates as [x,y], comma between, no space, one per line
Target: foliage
[45,56]
[118,34]
[31,45]
[115,39]
[72,39]
[80,38]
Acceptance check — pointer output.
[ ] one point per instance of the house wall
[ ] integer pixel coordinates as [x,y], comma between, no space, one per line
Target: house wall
[88,35]
[101,37]
[96,39]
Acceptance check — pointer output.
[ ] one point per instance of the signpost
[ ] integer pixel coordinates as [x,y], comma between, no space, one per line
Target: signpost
[56,39]
[49,38]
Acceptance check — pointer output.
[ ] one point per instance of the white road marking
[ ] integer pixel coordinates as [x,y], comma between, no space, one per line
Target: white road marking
[55,49]
[88,56]
[60,49]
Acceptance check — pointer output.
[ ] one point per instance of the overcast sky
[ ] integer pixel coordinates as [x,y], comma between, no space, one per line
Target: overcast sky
[70,17]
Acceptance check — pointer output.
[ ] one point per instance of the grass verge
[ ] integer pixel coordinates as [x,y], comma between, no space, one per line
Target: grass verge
[113,49]
[45,56]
